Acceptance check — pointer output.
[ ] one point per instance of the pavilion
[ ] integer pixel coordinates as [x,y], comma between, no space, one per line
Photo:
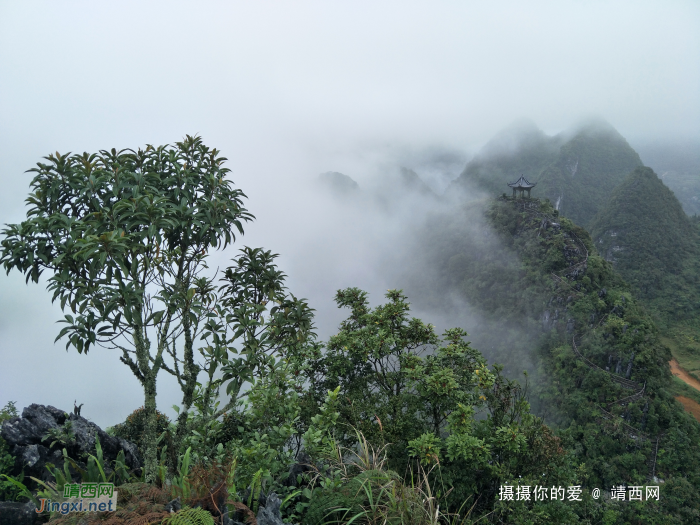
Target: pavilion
[521,185]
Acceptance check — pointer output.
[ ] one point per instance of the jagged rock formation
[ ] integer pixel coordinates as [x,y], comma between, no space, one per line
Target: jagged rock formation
[29,441]
[268,513]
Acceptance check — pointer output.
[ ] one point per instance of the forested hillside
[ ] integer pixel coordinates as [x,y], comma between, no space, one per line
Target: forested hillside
[603,376]
[593,177]
[655,246]
[644,232]
[576,169]
[677,163]
[590,318]
[387,419]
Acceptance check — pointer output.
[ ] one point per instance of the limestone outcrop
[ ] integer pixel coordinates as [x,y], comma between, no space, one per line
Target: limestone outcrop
[39,436]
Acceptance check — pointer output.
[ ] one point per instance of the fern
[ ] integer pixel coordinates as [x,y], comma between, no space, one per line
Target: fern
[181,481]
[188,516]
[255,487]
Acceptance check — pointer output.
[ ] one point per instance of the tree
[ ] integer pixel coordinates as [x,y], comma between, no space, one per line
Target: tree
[126,235]
[392,393]
[434,399]
[255,330]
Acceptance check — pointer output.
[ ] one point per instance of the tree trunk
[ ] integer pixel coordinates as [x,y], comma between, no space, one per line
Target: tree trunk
[148,381]
[190,373]
[151,430]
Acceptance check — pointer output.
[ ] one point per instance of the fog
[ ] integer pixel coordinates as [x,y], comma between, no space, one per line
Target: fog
[291,90]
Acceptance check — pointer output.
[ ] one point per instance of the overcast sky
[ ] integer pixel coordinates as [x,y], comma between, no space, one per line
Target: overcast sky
[288,90]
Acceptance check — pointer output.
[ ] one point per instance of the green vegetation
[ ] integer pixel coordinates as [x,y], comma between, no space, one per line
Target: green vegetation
[653,245]
[544,276]
[576,171]
[680,388]
[686,187]
[111,226]
[134,429]
[677,163]
[656,248]
[683,341]
[446,407]
[62,435]
[386,421]
[521,149]
[8,490]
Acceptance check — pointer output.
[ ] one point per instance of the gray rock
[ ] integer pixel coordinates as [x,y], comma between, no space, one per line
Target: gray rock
[15,513]
[173,506]
[570,325]
[302,465]
[25,437]
[546,323]
[270,513]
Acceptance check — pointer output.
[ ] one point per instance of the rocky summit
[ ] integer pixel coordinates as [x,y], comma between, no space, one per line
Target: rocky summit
[39,436]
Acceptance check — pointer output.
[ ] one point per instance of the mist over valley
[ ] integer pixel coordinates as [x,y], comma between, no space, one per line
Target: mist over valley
[389,261]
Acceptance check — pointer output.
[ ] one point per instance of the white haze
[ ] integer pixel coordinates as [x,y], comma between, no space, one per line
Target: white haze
[291,90]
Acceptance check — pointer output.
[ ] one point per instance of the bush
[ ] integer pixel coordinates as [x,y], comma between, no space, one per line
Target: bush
[8,491]
[134,429]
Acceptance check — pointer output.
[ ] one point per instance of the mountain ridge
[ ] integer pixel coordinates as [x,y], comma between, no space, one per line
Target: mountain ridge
[576,169]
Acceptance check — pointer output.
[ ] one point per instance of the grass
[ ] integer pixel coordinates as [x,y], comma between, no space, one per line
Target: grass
[684,343]
[679,388]
[381,497]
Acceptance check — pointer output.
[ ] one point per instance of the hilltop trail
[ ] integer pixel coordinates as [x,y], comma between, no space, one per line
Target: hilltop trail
[684,376]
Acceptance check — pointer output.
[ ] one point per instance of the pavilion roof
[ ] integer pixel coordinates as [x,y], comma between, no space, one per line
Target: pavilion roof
[522,183]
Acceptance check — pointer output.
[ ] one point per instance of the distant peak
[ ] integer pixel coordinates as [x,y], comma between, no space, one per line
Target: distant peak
[412,181]
[523,125]
[594,125]
[408,174]
[338,182]
[519,134]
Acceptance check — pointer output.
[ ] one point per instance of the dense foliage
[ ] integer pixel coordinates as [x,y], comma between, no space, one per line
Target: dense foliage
[125,235]
[653,244]
[558,286]
[8,490]
[386,421]
[677,162]
[445,408]
[644,232]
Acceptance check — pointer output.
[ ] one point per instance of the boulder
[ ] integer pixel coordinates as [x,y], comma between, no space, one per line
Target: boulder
[15,513]
[25,437]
